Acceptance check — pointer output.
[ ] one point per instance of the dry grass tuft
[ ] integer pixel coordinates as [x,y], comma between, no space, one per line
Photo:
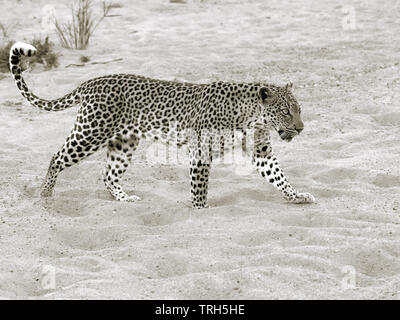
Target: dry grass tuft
[75,34]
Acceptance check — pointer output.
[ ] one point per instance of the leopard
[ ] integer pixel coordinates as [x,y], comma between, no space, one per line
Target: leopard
[117,111]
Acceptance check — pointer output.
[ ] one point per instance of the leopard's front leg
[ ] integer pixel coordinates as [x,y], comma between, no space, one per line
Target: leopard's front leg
[199,173]
[267,165]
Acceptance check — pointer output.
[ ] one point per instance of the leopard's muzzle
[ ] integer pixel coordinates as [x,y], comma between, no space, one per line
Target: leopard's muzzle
[288,134]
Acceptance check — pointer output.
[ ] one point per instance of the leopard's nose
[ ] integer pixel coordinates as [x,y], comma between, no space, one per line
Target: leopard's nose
[298,125]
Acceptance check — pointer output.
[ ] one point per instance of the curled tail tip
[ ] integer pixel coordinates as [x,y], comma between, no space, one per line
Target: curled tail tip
[18,49]
[21,48]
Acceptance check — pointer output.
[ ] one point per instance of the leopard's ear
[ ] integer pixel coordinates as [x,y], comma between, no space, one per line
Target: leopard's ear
[289,86]
[266,95]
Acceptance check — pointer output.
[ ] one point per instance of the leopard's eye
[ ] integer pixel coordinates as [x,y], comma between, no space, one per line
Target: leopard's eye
[285,111]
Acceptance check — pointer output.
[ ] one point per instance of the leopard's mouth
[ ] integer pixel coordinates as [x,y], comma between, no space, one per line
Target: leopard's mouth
[286,135]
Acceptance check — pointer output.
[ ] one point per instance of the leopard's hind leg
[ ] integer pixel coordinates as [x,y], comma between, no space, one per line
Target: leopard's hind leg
[87,136]
[78,146]
[119,155]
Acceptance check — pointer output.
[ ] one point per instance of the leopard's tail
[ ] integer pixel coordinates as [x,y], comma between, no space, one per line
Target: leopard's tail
[22,49]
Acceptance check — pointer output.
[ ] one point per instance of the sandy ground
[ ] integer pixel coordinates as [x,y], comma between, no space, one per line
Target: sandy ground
[251,244]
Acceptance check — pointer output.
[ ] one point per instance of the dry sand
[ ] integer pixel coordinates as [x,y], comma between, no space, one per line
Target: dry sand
[250,243]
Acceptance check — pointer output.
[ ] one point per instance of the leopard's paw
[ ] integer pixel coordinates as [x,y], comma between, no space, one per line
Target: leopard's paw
[301,198]
[46,193]
[133,198]
[123,197]
[200,206]
[304,198]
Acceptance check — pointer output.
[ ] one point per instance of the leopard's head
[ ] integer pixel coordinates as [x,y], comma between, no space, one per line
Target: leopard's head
[281,111]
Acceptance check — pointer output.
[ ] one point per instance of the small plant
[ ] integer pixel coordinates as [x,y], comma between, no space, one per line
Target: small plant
[45,55]
[107,6]
[84,59]
[75,34]
[4,56]
[4,31]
